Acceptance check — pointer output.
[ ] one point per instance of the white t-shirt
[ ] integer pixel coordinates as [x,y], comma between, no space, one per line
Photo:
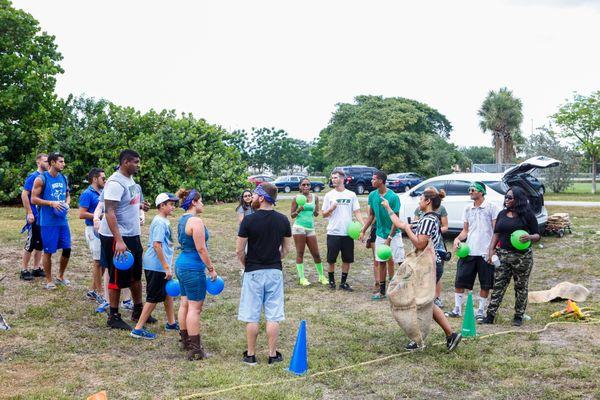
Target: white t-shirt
[347,203]
[124,190]
[480,226]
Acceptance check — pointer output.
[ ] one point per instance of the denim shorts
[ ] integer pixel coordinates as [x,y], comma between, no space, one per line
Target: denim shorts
[262,288]
[192,283]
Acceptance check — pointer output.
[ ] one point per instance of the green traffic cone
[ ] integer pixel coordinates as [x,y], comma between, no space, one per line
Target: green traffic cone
[468,326]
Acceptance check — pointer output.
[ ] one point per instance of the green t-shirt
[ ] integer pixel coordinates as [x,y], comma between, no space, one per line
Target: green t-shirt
[384,222]
[441,211]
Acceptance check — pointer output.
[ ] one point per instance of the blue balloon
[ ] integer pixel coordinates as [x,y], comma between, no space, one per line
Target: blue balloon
[215,287]
[124,261]
[62,213]
[172,287]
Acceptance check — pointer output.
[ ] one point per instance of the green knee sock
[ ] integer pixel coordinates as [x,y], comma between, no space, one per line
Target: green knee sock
[319,267]
[300,268]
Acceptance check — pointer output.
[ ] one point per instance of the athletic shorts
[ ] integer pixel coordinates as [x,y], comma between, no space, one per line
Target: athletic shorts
[93,242]
[371,238]
[34,239]
[262,288]
[192,283]
[439,270]
[156,291]
[55,237]
[299,230]
[469,267]
[337,244]
[119,279]
[396,245]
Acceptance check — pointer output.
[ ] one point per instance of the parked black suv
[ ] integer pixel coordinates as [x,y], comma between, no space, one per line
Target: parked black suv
[358,178]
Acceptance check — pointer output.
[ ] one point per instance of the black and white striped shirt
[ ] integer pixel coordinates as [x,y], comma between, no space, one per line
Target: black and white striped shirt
[429,225]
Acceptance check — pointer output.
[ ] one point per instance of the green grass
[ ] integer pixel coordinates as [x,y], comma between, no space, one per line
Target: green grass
[58,348]
[579,191]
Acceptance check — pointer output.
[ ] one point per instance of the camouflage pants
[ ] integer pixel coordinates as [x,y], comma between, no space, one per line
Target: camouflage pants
[515,265]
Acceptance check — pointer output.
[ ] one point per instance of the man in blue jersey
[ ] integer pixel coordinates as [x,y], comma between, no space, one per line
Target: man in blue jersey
[34,238]
[51,193]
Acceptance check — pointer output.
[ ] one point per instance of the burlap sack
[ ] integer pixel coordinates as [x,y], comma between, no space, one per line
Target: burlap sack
[411,293]
[562,291]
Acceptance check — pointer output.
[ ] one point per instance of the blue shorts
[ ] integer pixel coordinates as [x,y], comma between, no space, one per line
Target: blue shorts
[55,237]
[192,283]
[262,288]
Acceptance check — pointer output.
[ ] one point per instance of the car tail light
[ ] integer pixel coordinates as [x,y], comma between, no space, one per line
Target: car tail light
[349,179]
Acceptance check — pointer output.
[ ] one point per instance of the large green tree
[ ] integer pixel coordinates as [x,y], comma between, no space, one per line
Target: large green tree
[393,134]
[579,119]
[501,113]
[29,63]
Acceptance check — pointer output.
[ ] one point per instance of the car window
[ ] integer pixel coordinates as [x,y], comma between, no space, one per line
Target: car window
[498,186]
[281,179]
[436,184]
[294,179]
[458,188]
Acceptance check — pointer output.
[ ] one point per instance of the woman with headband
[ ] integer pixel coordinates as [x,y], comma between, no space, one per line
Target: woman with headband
[189,267]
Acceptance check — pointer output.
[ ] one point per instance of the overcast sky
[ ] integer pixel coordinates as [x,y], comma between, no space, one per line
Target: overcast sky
[286,64]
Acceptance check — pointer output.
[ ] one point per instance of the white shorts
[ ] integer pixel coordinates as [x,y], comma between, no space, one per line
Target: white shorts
[93,242]
[396,245]
[299,230]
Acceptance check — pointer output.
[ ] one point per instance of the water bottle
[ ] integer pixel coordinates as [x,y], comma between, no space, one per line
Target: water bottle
[495,260]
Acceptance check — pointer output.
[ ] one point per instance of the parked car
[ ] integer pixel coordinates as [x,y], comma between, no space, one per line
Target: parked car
[358,178]
[403,182]
[287,183]
[457,186]
[258,179]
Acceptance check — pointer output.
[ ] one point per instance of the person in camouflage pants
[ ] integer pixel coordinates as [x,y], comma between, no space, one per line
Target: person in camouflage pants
[515,265]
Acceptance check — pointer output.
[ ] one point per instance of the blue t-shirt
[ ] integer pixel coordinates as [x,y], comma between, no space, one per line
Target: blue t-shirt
[55,189]
[89,199]
[28,185]
[160,231]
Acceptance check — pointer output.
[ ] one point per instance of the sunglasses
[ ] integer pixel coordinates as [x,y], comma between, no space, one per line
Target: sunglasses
[247,195]
[509,197]
[305,184]
[471,190]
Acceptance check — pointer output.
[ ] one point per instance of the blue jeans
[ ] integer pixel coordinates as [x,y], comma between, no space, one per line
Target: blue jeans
[192,283]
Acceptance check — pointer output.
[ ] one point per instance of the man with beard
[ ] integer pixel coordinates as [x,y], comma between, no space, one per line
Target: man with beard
[120,231]
[268,236]
[34,235]
[51,193]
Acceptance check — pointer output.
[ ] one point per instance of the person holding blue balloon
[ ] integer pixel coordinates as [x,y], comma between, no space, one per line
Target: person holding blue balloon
[158,259]
[190,269]
[516,228]
[51,193]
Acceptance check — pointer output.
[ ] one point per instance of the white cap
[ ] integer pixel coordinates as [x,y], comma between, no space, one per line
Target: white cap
[161,198]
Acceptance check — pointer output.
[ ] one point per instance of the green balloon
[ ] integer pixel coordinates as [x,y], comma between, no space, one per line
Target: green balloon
[516,242]
[384,252]
[462,251]
[301,199]
[354,229]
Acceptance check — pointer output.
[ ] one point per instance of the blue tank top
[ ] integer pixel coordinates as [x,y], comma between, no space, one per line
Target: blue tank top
[55,189]
[189,257]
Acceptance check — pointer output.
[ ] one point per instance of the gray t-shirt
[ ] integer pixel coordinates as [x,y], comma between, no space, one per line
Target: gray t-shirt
[129,195]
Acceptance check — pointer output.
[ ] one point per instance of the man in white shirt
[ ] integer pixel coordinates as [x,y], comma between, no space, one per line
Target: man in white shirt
[479,221]
[339,205]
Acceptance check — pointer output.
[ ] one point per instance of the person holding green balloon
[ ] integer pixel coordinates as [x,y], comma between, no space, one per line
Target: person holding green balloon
[339,206]
[305,207]
[516,228]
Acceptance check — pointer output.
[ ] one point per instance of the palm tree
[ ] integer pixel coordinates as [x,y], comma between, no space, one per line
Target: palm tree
[501,113]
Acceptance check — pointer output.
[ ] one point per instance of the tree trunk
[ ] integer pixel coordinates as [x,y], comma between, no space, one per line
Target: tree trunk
[593,174]
[498,147]
[507,148]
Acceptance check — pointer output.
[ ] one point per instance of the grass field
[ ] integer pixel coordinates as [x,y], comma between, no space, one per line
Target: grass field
[580,191]
[58,348]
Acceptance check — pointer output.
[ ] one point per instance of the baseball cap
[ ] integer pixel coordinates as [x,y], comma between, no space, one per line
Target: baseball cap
[161,198]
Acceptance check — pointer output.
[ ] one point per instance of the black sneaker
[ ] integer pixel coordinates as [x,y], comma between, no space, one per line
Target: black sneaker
[26,275]
[517,321]
[278,358]
[412,345]
[250,360]
[116,322]
[346,287]
[38,273]
[135,317]
[488,320]
[453,340]
[332,285]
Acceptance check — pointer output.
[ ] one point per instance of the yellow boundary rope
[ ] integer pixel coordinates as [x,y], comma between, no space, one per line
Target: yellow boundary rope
[364,363]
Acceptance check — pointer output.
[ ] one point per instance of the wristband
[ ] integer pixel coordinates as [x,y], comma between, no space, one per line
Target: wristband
[391,212]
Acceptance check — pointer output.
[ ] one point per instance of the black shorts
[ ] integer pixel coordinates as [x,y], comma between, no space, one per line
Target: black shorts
[156,291]
[439,270]
[122,279]
[372,237]
[34,239]
[469,267]
[337,244]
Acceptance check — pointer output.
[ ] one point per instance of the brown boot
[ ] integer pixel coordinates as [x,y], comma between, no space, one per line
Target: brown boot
[196,350]
[184,339]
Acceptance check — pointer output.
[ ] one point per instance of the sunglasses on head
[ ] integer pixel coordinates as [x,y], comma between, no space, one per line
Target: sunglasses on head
[509,197]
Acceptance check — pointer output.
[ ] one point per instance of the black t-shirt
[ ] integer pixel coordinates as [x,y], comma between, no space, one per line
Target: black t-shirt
[506,225]
[265,231]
